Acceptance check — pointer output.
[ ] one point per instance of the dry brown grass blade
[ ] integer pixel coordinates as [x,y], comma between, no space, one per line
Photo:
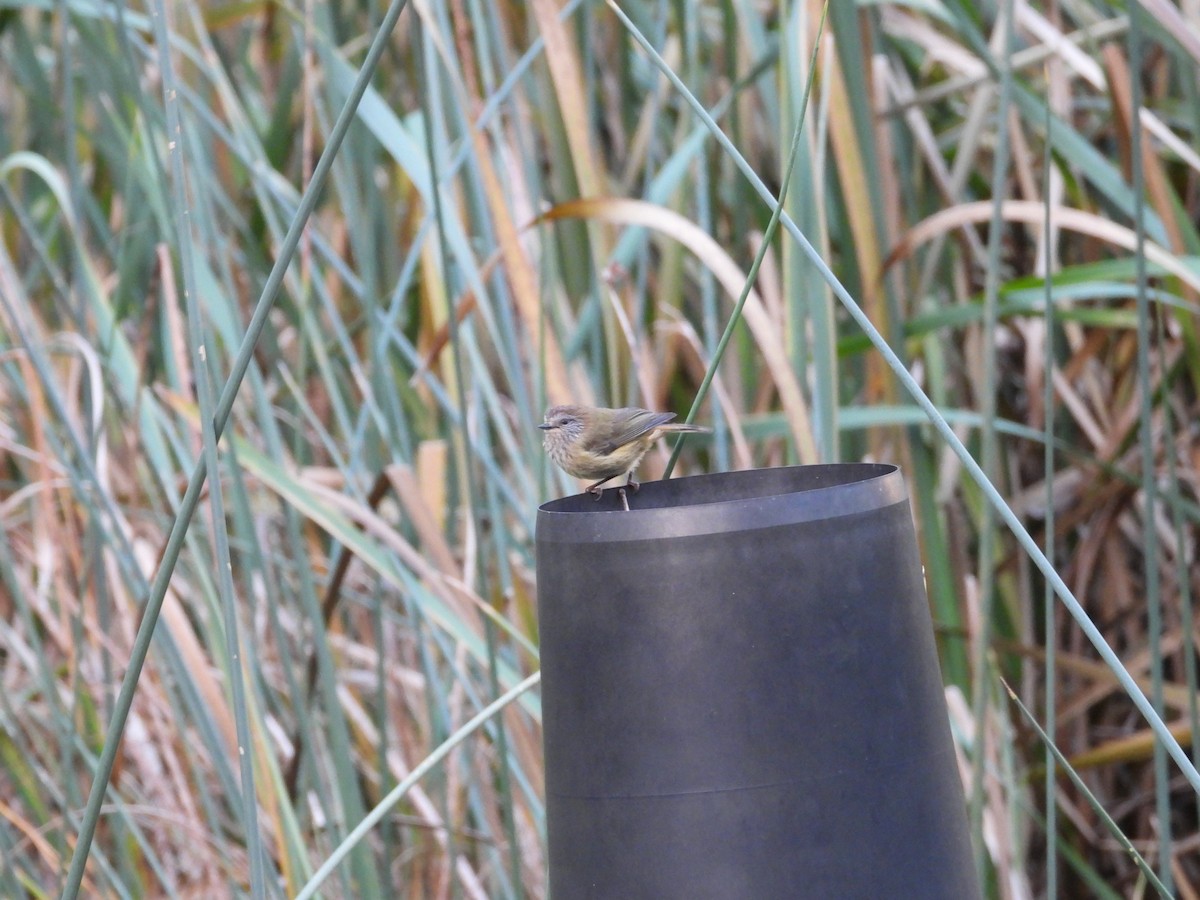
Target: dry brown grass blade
[1176,696]
[453,592]
[1083,703]
[517,267]
[432,467]
[1125,421]
[566,74]
[429,529]
[1121,93]
[852,174]
[333,593]
[996,836]
[174,320]
[1032,213]
[45,850]
[1065,49]
[888,177]
[435,314]
[695,360]
[368,738]
[375,526]
[466,304]
[1130,748]
[1184,884]
[567,77]
[731,278]
[43,500]
[1174,24]
[1158,188]
[200,667]
[634,163]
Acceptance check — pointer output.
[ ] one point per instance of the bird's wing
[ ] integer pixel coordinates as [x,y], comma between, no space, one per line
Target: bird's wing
[636,422]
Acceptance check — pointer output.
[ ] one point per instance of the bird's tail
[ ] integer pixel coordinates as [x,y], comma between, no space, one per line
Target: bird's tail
[684,428]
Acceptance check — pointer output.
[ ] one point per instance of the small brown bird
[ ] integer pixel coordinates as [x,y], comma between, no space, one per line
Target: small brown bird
[596,442]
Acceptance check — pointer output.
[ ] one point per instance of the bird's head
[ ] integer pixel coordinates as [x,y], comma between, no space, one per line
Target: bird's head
[563,426]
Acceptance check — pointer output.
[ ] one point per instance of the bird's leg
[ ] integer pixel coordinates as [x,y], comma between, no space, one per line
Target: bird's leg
[632,487]
[595,490]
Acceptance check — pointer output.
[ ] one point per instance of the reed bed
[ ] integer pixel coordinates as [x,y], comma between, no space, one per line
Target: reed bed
[284,289]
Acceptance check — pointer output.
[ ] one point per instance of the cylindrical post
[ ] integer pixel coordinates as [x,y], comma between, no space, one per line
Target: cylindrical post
[741,696]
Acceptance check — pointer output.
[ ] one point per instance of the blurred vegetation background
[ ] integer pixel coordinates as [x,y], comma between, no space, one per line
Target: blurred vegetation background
[528,204]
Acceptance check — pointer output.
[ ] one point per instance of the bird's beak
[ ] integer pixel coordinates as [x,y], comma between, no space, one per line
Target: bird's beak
[545,426]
